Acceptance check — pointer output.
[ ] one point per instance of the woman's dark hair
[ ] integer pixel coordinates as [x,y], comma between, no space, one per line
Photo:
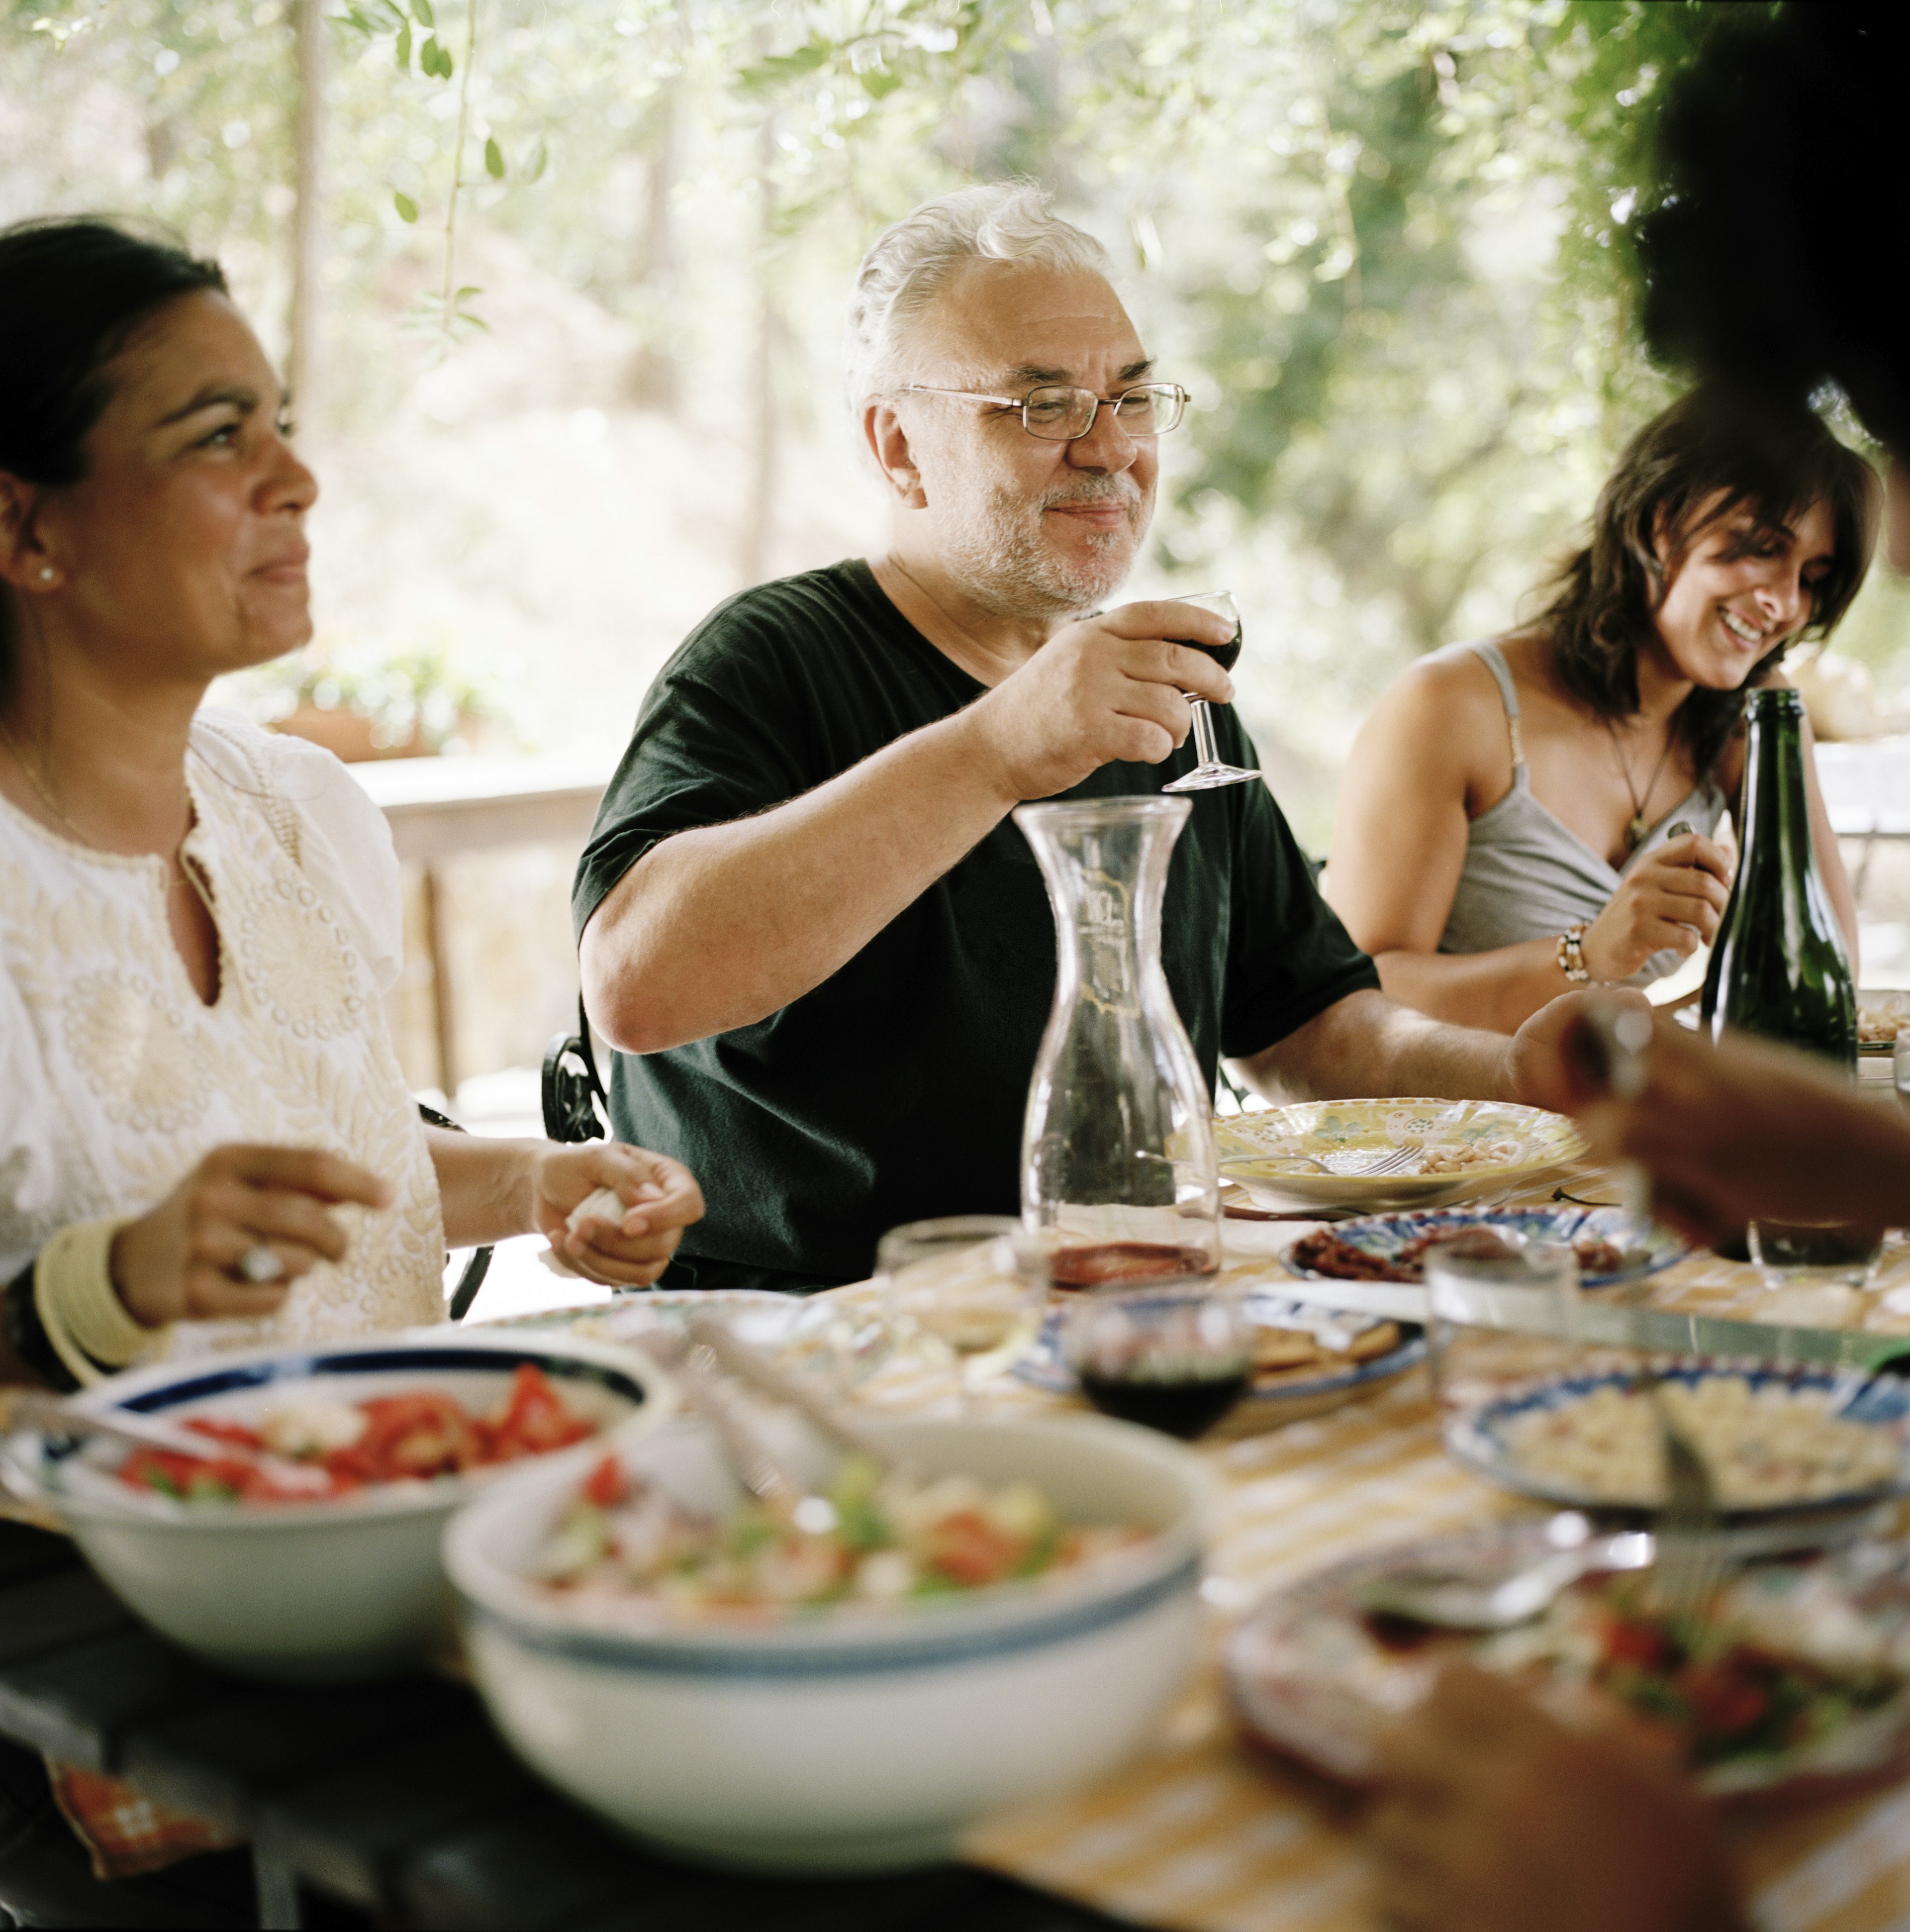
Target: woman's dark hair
[1712,453]
[72,292]
[1782,219]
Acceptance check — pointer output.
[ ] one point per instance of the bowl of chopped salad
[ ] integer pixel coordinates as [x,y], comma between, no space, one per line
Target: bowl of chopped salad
[303,1545]
[843,1683]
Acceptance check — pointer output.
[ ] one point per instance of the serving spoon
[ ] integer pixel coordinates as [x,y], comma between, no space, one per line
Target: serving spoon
[1456,1601]
[52,1415]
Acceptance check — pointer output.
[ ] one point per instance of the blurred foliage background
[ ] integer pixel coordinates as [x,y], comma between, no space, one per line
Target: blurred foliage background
[1384,244]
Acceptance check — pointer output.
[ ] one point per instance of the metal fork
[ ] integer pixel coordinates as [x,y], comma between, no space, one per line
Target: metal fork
[1689,1562]
[1396,1162]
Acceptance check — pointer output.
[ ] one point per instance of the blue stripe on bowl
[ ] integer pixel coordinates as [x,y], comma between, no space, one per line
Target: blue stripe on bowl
[372,1361]
[931,1650]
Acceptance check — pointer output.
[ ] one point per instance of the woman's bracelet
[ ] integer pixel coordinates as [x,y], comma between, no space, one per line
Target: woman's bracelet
[1572,955]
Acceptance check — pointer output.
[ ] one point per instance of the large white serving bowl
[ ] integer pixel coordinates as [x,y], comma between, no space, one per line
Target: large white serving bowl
[326,1591]
[853,1739]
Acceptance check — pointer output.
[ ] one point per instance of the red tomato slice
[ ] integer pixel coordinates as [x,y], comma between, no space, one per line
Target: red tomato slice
[968,1549]
[534,1419]
[604,1485]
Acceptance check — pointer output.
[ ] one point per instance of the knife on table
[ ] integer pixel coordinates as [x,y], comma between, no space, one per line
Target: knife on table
[1662,1331]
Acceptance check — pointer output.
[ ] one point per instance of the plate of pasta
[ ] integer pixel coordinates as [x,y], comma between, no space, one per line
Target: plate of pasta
[1774,1442]
[1319,1153]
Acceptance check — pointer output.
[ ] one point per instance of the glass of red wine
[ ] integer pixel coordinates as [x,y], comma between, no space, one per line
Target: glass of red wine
[1211,771]
[1173,1358]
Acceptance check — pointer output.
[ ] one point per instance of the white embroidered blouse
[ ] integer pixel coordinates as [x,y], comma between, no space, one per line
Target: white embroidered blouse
[115,1078]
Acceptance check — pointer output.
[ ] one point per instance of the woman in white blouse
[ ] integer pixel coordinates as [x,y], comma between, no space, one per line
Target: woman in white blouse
[205,1140]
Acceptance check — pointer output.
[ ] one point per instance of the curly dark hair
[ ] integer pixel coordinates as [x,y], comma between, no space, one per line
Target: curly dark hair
[1712,452]
[1782,221]
[72,292]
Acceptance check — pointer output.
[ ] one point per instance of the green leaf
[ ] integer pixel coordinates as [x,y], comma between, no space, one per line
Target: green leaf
[539,160]
[780,69]
[404,48]
[878,82]
[493,159]
[407,209]
[421,11]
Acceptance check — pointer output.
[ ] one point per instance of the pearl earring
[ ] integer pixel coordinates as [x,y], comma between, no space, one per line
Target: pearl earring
[46,573]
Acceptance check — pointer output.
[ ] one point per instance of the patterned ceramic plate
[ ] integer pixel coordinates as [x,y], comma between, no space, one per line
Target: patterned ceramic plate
[1311,1155]
[1383,1236]
[1272,1398]
[1486,1440]
[1312,1677]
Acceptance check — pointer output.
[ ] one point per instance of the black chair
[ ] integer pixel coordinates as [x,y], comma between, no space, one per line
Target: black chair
[479,1266]
[576,1107]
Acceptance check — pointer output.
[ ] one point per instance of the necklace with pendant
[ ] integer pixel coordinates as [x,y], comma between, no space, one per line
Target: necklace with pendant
[1639,825]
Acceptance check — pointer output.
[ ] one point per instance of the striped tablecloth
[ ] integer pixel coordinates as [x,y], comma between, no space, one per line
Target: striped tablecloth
[1207,1833]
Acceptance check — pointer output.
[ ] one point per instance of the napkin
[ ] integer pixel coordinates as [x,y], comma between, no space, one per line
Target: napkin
[606,1203]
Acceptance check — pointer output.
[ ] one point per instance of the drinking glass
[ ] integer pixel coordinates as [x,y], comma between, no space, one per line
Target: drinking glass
[1900,1065]
[1790,1253]
[1211,772]
[1498,1324]
[1174,1359]
[965,1289]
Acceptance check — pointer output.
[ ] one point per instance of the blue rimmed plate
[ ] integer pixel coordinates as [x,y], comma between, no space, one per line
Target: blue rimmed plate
[1384,1236]
[1483,1439]
[1272,1398]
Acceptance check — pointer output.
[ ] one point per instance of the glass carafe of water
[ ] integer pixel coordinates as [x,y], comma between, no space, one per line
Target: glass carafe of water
[1118,1174]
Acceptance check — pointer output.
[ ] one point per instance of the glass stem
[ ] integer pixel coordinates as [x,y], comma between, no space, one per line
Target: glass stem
[1203,731]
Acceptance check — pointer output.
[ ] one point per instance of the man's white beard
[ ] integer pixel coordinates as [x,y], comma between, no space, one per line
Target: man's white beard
[997,550]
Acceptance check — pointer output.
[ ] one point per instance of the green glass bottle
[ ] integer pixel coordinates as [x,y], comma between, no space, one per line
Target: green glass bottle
[1779,967]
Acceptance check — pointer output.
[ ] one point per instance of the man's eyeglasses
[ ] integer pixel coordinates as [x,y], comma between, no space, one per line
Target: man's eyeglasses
[1058,414]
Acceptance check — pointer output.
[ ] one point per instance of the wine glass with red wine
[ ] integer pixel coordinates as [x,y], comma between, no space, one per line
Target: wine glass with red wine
[1176,1357]
[1211,772]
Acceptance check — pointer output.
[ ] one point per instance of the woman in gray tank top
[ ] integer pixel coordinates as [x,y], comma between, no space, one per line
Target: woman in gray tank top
[1525,815]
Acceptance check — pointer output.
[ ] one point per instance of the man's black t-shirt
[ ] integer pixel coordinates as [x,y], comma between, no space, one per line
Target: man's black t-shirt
[895,1090]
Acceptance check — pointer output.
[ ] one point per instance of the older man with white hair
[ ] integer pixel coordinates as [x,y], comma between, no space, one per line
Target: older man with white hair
[826,956]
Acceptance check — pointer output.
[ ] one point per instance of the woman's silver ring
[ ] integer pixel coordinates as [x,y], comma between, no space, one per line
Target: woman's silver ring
[260,1265]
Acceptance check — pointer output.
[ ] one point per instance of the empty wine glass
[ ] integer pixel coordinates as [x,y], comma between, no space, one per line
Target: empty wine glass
[1211,772]
[966,1288]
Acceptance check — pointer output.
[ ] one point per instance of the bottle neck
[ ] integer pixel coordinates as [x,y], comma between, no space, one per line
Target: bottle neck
[1776,809]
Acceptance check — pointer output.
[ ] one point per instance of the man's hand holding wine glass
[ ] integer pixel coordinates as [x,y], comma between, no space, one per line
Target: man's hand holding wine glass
[1113,686]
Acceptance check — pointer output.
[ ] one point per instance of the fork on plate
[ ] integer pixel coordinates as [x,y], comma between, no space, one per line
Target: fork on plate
[1689,1562]
[1396,1160]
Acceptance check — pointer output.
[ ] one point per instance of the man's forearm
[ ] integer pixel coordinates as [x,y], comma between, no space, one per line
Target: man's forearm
[1365,1046]
[720,927]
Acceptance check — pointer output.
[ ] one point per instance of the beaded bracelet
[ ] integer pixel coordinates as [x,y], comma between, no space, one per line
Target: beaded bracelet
[1571,954]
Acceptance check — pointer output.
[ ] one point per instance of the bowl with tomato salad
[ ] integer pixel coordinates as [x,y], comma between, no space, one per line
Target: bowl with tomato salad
[303,1545]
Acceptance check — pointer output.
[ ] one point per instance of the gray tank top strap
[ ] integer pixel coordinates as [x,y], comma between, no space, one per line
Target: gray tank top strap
[1494,659]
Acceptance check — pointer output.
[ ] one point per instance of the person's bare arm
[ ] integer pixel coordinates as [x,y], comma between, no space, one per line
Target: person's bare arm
[491,1189]
[1368,1045]
[721,926]
[1399,844]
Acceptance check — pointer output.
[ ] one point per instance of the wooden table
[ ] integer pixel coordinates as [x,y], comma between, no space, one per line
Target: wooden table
[397,1798]
[439,807]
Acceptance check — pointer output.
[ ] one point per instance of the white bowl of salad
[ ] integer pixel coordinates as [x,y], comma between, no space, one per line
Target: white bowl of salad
[320,1563]
[1007,1616]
